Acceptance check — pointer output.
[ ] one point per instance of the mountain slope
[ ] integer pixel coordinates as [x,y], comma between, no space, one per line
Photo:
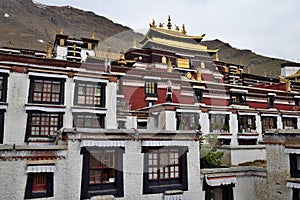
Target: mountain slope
[32,25]
[253,63]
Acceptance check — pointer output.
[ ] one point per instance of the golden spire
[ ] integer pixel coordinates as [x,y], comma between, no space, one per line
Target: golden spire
[48,50]
[183,29]
[199,74]
[169,65]
[217,55]
[93,35]
[169,23]
[61,31]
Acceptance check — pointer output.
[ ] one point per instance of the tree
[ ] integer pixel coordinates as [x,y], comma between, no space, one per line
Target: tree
[208,149]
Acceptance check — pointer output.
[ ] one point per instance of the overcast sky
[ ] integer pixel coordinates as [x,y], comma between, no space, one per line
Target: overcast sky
[267,27]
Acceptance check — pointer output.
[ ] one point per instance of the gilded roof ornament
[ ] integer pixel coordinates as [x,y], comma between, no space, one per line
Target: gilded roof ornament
[61,31]
[177,28]
[161,25]
[183,29]
[152,24]
[93,35]
[169,23]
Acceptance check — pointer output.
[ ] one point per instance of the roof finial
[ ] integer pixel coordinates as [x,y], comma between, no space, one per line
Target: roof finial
[61,31]
[152,24]
[183,29]
[93,35]
[169,23]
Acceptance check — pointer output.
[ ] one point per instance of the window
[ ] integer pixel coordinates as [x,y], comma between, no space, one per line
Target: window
[224,192]
[1,126]
[43,124]
[102,172]
[297,101]
[246,123]
[85,120]
[187,121]
[198,95]
[289,123]
[142,123]
[165,168]
[295,165]
[3,87]
[39,185]
[271,99]
[296,194]
[151,89]
[268,123]
[238,98]
[219,123]
[90,94]
[44,90]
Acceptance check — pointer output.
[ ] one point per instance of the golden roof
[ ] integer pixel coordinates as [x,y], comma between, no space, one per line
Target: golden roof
[297,74]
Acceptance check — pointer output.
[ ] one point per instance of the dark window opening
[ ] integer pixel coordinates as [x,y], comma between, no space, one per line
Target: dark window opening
[151,89]
[89,94]
[3,87]
[164,169]
[268,123]
[289,123]
[295,165]
[142,124]
[238,98]
[84,120]
[271,99]
[45,90]
[1,126]
[42,124]
[296,194]
[187,121]
[102,172]
[198,95]
[219,123]
[218,192]
[39,185]
[246,123]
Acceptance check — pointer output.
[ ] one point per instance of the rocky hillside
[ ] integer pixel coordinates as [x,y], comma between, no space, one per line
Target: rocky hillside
[26,24]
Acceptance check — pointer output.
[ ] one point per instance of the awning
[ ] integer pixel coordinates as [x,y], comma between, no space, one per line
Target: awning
[88,110]
[102,143]
[292,150]
[174,197]
[40,168]
[218,181]
[245,136]
[227,136]
[44,109]
[293,185]
[155,143]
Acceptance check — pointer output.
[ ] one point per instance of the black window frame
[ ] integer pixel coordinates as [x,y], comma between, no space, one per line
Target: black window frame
[94,84]
[294,171]
[120,85]
[296,194]
[29,194]
[100,118]
[116,189]
[242,123]
[238,98]
[160,186]
[222,126]
[148,86]
[183,121]
[198,95]
[29,124]
[3,93]
[31,89]
[263,118]
[293,119]
[2,114]
[227,191]
[271,101]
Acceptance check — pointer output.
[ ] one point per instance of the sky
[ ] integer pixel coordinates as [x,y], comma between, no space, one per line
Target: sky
[267,27]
